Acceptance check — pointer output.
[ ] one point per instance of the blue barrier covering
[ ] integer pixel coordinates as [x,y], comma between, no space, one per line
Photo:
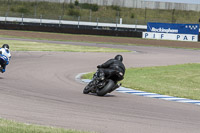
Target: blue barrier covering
[173,28]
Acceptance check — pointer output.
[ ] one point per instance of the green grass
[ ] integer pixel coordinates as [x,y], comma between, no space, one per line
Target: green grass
[36,46]
[62,34]
[176,80]
[7,126]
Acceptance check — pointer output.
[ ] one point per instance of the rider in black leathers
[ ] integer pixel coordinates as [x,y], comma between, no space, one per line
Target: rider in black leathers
[114,68]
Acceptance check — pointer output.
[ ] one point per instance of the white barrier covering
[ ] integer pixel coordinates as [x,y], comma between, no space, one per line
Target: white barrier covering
[167,36]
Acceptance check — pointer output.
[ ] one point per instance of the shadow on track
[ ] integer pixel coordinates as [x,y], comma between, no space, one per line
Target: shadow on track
[107,95]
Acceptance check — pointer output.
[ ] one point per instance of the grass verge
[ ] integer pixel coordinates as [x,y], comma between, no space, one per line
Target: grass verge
[61,34]
[36,46]
[7,126]
[175,80]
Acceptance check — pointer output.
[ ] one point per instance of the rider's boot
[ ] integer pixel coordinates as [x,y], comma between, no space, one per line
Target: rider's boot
[2,70]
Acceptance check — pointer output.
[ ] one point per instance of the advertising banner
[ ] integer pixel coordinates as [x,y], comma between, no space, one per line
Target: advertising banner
[167,36]
[173,28]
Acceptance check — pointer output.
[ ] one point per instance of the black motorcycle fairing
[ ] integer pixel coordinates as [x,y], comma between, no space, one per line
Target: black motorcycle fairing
[99,84]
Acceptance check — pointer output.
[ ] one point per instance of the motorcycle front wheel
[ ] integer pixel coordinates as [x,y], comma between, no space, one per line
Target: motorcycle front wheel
[88,88]
[106,89]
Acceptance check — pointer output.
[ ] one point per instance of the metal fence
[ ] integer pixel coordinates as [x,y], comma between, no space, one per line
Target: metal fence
[15,8]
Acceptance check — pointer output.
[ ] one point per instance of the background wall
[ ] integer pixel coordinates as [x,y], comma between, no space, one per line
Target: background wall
[131,4]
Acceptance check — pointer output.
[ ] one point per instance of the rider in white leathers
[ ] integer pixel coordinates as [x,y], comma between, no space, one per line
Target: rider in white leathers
[4,57]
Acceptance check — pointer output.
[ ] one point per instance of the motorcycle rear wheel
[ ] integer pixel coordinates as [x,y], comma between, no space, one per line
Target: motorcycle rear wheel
[106,89]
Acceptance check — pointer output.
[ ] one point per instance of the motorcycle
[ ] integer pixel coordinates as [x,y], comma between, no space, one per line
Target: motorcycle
[100,84]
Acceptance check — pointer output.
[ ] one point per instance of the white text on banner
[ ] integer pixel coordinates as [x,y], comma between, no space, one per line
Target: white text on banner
[166,36]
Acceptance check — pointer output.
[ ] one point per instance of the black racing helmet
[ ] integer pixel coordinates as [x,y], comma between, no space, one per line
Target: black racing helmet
[119,57]
[6,46]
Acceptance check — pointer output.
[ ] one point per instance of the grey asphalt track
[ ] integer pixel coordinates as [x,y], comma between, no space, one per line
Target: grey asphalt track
[40,88]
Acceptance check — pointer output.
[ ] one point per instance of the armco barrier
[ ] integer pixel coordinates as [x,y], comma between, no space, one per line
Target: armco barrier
[70,29]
